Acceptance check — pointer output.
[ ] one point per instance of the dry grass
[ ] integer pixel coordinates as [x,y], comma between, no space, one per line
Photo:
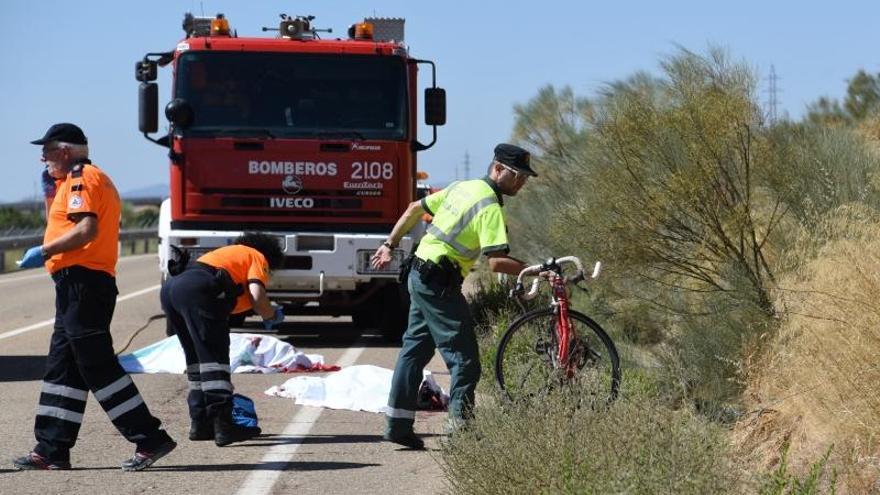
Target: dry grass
[568,443]
[819,385]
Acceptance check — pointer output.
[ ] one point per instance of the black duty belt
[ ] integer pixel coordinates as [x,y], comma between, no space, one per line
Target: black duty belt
[79,271]
[445,274]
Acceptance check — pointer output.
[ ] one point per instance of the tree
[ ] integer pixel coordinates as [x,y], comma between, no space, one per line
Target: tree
[662,176]
[862,95]
[862,101]
[20,219]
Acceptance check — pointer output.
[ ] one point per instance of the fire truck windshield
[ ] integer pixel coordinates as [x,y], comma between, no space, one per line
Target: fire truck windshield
[294,95]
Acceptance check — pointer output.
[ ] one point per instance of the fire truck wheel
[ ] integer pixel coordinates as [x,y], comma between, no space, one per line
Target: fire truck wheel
[395,314]
[169,331]
[364,318]
[237,320]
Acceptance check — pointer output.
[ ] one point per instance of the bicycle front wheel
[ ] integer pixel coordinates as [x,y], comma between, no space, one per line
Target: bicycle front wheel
[526,365]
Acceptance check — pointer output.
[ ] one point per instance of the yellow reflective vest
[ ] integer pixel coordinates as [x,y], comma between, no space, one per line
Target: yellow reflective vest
[468,220]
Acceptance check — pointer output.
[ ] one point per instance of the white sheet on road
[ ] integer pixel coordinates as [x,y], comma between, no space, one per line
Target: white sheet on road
[248,353]
[357,388]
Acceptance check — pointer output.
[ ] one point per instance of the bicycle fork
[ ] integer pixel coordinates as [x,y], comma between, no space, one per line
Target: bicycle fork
[564,335]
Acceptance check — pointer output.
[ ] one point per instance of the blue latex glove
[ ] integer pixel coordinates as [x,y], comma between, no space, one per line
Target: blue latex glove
[32,258]
[276,320]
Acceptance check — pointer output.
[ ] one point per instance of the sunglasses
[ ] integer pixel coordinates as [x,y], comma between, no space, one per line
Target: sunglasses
[516,174]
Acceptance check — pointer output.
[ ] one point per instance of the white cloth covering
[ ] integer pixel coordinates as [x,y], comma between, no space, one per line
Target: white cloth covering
[357,388]
[248,353]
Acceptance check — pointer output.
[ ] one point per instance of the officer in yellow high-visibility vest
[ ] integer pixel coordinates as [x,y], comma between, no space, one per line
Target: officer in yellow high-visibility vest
[468,221]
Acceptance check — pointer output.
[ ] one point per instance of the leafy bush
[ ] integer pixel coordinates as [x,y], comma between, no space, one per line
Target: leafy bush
[570,443]
[781,481]
[12,218]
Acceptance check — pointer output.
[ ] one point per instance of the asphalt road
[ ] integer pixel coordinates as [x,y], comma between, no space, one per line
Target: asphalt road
[302,450]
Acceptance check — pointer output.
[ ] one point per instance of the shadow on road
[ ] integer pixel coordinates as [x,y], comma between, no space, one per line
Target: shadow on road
[267,466]
[21,368]
[270,440]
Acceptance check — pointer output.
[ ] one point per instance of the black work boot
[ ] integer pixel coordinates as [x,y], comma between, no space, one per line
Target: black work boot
[143,459]
[227,431]
[201,429]
[408,440]
[35,461]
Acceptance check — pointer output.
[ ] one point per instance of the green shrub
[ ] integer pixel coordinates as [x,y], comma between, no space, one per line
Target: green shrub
[571,443]
[782,482]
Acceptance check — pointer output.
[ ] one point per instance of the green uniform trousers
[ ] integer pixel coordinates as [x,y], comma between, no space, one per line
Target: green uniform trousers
[436,320]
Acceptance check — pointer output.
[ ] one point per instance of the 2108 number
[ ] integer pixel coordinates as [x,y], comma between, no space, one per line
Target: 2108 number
[372,170]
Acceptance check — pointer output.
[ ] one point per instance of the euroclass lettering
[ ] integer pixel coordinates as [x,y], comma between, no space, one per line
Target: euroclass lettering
[256,167]
[363,185]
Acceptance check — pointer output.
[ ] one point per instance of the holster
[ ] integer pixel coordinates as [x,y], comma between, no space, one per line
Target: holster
[178,261]
[444,274]
[405,267]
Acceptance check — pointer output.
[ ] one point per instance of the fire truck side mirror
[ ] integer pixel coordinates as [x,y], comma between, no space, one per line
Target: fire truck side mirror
[179,112]
[148,107]
[435,106]
[145,70]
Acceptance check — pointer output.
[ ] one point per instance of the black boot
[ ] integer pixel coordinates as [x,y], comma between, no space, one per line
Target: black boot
[227,431]
[201,429]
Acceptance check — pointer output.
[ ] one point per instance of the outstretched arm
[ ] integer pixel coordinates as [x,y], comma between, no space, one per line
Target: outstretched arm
[404,224]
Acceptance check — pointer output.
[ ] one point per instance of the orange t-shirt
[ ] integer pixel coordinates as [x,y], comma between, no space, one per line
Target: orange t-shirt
[244,264]
[86,189]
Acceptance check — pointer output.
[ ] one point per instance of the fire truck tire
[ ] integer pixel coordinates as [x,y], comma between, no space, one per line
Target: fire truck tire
[169,331]
[363,319]
[394,314]
[238,319]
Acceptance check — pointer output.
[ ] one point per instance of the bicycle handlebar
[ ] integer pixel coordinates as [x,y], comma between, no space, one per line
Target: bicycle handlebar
[553,265]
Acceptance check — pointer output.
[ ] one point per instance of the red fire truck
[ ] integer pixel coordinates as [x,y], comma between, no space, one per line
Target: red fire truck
[312,140]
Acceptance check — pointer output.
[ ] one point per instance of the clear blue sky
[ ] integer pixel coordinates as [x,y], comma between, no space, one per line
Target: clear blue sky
[73,61]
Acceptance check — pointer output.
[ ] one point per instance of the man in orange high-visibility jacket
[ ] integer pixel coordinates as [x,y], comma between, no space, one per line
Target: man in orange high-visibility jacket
[80,250]
[198,303]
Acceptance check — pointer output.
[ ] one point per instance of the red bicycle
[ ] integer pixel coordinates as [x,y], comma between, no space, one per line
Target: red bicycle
[548,347]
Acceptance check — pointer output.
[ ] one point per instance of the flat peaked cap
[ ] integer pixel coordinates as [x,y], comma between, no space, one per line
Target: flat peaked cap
[514,157]
[63,133]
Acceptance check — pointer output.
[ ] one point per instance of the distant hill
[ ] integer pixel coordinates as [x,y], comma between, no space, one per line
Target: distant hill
[153,191]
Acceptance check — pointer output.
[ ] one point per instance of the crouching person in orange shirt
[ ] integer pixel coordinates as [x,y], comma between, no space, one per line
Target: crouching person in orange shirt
[198,303]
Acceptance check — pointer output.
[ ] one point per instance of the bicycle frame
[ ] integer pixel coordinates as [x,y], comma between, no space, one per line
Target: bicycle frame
[559,302]
[563,325]
[563,343]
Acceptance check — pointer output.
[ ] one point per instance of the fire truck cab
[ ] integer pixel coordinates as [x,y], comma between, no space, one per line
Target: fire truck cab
[310,140]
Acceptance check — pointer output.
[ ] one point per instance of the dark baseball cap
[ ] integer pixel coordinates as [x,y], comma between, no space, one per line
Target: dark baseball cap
[64,133]
[514,157]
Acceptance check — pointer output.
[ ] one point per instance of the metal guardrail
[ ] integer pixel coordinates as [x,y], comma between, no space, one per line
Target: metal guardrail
[29,240]
[129,237]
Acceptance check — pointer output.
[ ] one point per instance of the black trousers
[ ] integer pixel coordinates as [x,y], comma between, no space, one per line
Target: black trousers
[197,303]
[80,359]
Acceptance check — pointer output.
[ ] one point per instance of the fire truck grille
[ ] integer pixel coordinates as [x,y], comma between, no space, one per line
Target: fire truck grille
[287,213]
[330,203]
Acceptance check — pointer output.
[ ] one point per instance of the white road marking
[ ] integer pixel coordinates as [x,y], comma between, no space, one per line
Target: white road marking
[260,482]
[51,321]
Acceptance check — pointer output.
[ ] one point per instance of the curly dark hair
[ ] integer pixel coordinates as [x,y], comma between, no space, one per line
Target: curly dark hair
[267,245]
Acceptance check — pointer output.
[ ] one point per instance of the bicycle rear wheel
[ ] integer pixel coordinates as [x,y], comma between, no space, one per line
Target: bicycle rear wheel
[525,365]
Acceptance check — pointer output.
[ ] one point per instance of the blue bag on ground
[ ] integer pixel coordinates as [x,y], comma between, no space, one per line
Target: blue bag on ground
[243,411]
